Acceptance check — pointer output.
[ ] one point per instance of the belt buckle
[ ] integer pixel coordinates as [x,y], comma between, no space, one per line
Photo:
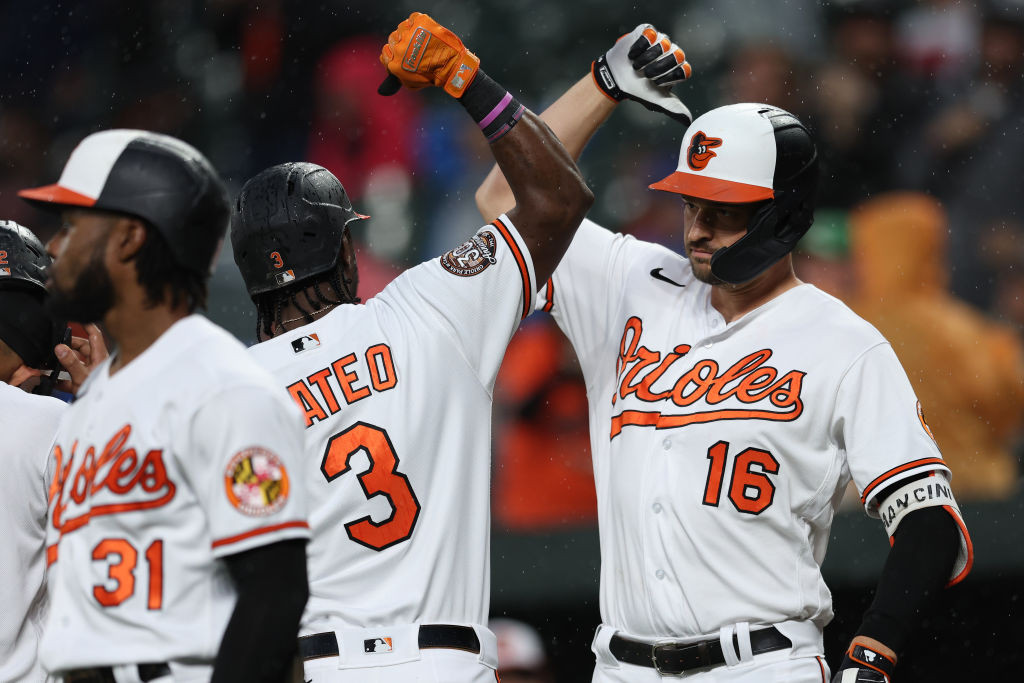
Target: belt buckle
[665,646]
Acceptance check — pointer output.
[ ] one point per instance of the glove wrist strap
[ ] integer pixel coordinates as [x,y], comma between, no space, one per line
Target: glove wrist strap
[866,657]
[491,106]
[605,81]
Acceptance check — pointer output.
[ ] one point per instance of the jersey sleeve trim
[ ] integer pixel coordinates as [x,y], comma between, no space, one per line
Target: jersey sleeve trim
[881,479]
[549,295]
[220,542]
[966,555]
[524,269]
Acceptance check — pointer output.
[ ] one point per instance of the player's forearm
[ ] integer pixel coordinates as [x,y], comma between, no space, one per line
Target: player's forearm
[916,571]
[551,197]
[573,118]
[261,639]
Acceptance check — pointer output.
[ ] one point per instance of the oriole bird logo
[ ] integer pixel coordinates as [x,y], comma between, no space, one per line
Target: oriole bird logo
[699,153]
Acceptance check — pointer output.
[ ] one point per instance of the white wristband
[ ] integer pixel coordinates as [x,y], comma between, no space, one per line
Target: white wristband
[923,493]
[915,495]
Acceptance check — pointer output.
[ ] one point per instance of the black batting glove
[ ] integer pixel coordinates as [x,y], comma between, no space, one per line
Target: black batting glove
[864,665]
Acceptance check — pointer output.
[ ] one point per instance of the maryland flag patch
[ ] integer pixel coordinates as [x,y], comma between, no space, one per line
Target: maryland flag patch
[256,482]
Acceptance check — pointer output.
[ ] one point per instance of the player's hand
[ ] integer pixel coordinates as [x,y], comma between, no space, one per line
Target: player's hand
[864,665]
[80,357]
[421,53]
[25,378]
[643,66]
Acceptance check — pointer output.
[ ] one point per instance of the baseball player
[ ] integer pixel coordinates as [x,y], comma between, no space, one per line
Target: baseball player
[730,405]
[176,525]
[396,392]
[28,422]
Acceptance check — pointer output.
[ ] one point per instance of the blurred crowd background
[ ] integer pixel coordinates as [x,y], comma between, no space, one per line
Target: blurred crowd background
[918,110]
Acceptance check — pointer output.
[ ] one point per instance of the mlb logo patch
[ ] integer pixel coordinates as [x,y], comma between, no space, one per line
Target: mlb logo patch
[306,342]
[374,645]
[4,271]
[285,277]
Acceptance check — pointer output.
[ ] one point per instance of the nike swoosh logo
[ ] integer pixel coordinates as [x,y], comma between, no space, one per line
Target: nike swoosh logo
[656,274]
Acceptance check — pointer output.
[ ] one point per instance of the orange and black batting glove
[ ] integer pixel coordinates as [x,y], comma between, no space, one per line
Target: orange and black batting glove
[643,66]
[864,665]
[421,53]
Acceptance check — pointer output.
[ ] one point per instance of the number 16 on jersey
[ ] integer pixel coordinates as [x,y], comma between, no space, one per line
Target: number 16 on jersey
[751,489]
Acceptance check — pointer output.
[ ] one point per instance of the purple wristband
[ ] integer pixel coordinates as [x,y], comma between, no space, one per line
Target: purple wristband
[500,107]
[507,126]
[494,109]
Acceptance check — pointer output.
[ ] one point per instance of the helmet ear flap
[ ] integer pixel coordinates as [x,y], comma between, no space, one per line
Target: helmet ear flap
[800,207]
[766,217]
[751,254]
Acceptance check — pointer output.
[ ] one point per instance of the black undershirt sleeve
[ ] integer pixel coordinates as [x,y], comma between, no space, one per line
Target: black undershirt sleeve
[261,639]
[917,569]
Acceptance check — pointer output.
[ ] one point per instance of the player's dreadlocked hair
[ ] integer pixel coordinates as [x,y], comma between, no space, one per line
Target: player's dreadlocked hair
[270,305]
[161,275]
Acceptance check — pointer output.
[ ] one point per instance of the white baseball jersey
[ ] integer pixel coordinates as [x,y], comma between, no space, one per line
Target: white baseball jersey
[720,450]
[397,398]
[182,457]
[28,424]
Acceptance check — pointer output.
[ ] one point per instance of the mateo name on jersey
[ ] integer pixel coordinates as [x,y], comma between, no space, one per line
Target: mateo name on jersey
[765,392]
[348,379]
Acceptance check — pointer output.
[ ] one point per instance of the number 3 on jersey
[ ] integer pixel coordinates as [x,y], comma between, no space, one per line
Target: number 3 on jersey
[383,478]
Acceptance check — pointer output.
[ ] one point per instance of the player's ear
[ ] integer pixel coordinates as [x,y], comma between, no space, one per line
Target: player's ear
[128,234]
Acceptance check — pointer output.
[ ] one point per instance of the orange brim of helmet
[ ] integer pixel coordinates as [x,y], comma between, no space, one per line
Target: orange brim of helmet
[56,194]
[712,189]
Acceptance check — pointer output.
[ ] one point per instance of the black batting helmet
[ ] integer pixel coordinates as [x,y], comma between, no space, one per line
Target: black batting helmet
[23,259]
[745,153]
[25,324]
[157,178]
[288,225]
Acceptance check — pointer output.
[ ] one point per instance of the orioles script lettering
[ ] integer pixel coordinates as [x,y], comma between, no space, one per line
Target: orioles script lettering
[132,482]
[763,391]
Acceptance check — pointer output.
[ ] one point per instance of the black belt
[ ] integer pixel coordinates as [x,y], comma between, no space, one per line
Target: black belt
[105,674]
[675,658]
[431,636]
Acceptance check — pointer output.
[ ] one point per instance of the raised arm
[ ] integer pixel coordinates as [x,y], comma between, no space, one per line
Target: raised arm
[547,192]
[641,66]
[573,118]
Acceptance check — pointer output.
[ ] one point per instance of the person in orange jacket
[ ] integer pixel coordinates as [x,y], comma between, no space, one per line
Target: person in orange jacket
[967,369]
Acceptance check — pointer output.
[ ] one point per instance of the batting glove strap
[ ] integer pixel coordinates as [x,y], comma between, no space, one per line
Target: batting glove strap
[643,66]
[864,665]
